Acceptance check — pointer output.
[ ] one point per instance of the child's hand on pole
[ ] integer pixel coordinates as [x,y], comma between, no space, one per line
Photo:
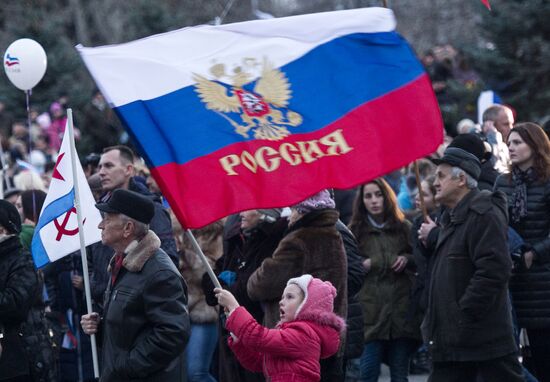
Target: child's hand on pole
[226,299]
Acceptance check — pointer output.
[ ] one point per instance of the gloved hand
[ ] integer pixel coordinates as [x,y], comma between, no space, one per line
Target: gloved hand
[228,277]
[208,289]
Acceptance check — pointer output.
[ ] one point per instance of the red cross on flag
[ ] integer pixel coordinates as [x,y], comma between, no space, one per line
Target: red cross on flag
[56,234]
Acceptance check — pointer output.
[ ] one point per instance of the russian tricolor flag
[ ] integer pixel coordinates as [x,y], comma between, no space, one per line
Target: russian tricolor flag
[266,113]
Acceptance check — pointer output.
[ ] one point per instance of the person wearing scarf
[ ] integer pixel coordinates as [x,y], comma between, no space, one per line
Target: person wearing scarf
[527,187]
[383,235]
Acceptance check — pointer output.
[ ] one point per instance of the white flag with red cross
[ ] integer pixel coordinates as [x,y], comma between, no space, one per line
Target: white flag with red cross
[56,234]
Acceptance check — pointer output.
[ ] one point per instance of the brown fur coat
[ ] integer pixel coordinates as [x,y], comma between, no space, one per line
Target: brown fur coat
[192,269]
[313,246]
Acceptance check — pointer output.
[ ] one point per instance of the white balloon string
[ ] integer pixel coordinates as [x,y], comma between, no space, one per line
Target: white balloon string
[28,99]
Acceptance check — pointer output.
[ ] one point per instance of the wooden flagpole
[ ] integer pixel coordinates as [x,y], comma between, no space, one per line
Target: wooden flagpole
[85,275]
[420,192]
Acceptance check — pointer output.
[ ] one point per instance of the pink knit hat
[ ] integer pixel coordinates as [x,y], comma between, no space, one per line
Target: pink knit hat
[319,201]
[318,294]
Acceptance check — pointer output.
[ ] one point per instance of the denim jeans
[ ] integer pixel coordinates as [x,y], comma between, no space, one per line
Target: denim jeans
[201,346]
[526,373]
[398,351]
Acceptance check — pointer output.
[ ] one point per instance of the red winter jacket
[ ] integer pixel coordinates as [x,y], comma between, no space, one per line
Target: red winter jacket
[289,353]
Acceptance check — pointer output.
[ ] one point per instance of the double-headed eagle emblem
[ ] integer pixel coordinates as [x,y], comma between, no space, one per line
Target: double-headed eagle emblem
[262,111]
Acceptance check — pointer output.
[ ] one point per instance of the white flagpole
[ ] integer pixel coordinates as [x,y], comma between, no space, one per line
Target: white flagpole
[85,275]
[203,258]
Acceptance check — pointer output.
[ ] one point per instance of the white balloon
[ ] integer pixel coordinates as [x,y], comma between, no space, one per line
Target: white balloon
[25,63]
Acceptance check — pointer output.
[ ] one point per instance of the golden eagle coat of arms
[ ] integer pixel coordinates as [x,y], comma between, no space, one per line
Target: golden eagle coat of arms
[262,111]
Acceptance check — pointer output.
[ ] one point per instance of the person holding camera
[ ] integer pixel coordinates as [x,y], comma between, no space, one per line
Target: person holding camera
[527,187]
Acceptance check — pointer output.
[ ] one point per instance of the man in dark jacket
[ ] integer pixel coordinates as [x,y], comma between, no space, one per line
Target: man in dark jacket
[468,323]
[116,170]
[145,322]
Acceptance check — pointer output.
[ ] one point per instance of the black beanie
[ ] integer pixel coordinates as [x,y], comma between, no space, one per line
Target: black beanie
[9,217]
[471,143]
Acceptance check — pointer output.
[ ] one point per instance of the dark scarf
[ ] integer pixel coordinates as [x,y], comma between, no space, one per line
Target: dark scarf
[519,197]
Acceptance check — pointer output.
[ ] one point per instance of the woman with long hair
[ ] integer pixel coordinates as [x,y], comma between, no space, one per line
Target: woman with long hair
[384,241]
[527,187]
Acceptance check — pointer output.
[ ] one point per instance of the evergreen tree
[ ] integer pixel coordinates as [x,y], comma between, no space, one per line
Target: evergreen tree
[516,57]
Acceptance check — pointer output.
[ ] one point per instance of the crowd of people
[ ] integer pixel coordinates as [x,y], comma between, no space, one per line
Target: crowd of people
[450,278]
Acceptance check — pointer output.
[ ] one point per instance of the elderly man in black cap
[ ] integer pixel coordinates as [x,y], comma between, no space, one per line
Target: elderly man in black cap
[468,323]
[145,324]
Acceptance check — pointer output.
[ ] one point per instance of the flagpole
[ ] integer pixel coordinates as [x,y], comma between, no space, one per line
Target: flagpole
[85,275]
[2,171]
[203,258]
[420,192]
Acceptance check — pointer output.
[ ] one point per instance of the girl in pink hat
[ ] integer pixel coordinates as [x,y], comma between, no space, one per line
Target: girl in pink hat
[308,331]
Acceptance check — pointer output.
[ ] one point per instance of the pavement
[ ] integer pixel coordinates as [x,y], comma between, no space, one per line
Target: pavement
[385,376]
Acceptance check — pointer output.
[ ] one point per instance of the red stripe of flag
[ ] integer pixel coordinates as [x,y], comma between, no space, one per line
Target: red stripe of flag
[486,3]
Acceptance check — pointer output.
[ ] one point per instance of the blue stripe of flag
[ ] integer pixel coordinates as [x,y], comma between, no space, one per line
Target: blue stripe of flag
[326,83]
[52,211]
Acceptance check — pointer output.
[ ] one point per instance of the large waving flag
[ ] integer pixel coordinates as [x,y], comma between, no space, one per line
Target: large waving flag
[56,234]
[266,113]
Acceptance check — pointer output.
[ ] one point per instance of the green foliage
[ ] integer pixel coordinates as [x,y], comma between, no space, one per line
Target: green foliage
[516,58]
[463,103]
[59,25]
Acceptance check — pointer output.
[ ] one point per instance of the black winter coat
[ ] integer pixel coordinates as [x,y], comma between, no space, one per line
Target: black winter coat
[531,288]
[244,255]
[145,324]
[18,287]
[39,343]
[356,278]
[423,260]
[469,313]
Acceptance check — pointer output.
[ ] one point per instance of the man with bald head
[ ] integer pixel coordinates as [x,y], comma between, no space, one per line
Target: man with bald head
[498,121]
